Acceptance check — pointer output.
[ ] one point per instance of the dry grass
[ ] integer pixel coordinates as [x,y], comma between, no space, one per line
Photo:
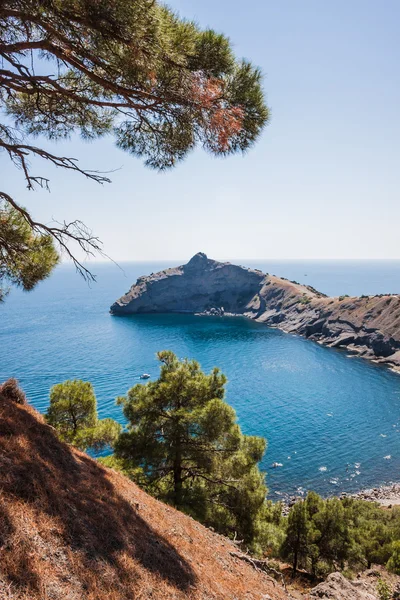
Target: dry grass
[72,530]
[11,391]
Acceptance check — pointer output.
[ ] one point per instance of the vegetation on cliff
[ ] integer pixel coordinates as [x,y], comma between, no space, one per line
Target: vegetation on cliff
[323,536]
[105,537]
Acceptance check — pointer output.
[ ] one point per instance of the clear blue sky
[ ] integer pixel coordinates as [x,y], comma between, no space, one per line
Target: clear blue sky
[322,182]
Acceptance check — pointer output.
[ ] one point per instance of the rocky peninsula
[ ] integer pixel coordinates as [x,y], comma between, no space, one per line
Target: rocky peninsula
[368,325]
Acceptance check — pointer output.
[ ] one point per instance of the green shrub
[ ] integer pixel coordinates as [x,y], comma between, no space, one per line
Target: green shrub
[349,574]
[73,413]
[393,564]
[384,590]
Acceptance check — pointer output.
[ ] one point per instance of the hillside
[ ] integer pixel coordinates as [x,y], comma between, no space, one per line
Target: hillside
[71,529]
[367,325]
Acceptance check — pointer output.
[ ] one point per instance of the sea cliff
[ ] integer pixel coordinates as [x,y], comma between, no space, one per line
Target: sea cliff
[366,325]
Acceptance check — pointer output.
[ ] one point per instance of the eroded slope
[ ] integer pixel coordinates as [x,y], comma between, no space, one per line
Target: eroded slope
[73,530]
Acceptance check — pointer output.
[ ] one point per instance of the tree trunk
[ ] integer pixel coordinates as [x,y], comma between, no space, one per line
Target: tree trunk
[73,417]
[177,469]
[295,560]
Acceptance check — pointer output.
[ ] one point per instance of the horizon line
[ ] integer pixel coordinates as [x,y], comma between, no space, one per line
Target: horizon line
[179,260]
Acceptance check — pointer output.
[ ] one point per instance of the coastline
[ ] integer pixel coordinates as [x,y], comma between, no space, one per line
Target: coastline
[365,326]
[352,350]
[386,495]
[391,362]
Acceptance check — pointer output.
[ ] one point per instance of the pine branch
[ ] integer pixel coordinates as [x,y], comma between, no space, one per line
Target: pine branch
[63,234]
[19,152]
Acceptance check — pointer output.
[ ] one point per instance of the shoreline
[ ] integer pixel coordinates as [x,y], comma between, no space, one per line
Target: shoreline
[351,350]
[385,495]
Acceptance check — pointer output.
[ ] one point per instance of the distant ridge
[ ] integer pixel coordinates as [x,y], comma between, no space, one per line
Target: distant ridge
[366,325]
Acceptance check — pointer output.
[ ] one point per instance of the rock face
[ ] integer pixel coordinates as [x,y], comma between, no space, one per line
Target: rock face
[337,587]
[198,286]
[368,326]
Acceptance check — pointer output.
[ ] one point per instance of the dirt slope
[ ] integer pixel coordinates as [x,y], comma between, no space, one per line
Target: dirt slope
[73,530]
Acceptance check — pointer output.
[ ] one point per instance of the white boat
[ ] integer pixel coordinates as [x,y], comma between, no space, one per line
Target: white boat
[145,376]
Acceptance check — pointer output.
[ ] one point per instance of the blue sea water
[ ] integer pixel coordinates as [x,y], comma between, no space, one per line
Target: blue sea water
[329,419]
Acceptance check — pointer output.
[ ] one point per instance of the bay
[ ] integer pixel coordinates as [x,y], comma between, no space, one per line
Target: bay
[330,420]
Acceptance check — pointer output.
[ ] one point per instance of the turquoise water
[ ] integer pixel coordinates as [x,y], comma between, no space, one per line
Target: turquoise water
[329,419]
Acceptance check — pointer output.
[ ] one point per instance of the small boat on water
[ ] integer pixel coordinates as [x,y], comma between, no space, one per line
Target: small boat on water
[276,464]
[145,376]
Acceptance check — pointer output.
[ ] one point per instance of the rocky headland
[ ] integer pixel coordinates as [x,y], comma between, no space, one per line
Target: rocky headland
[368,326]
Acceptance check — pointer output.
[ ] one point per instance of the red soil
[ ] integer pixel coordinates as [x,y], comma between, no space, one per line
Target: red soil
[71,529]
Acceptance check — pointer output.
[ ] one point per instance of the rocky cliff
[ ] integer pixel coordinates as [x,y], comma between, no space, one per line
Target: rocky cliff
[367,325]
[199,285]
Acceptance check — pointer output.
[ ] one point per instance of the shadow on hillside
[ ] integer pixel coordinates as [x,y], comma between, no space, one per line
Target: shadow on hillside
[96,522]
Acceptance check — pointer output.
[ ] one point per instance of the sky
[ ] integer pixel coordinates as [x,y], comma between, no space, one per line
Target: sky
[322,182]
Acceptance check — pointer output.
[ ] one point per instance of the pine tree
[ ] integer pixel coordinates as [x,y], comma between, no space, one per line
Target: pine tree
[295,546]
[393,564]
[73,413]
[336,534]
[185,440]
[133,69]
[333,533]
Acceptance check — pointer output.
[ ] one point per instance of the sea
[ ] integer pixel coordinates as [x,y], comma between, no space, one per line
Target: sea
[332,421]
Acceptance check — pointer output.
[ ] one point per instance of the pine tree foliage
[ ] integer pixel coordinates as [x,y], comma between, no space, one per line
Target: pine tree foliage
[393,563]
[295,546]
[188,447]
[322,536]
[25,256]
[73,413]
[158,84]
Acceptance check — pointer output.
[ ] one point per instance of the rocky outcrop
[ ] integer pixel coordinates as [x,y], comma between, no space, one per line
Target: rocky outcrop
[386,495]
[198,286]
[337,587]
[367,325]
